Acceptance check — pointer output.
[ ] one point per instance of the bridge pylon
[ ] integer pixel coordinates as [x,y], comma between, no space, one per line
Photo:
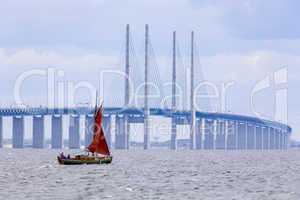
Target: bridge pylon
[146,106]
[173,107]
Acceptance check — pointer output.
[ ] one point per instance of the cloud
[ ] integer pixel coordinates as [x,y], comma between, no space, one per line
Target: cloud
[76,68]
[249,67]
[243,69]
[257,19]
[99,24]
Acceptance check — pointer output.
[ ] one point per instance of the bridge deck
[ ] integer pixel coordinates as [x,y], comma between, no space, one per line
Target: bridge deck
[184,115]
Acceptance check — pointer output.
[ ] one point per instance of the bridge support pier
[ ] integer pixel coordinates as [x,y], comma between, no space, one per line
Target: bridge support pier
[246,135]
[242,135]
[127,132]
[277,139]
[74,136]
[1,132]
[231,136]
[250,136]
[266,138]
[226,133]
[259,137]
[107,129]
[121,135]
[146,130]
[208,135]
[283,139]
[18,132]
[236,132]
[220,135]
[173,134]
[254,137]
[56,132]
[272,138]
[199,127]
[280,139]
[287,140]
[89,129]
[215,123]
[38,131]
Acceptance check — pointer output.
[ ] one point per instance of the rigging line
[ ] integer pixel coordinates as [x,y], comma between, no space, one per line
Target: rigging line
[167,104]
[119,67]
[152,73]
[156,75]
[156,71]
[182,67]
[153,61]
[135,63]
[132,51]
[132,63]
[169,63]
[135,72]
[201,76]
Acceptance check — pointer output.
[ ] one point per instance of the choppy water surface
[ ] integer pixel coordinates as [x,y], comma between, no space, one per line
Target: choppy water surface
[153,174]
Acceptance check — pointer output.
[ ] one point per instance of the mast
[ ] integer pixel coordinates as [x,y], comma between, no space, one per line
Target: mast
[173,107]
[96,103]
[192,129]
[146,112]
[96,97]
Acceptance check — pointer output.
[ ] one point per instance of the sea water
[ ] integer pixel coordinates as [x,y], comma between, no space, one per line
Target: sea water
[152,174]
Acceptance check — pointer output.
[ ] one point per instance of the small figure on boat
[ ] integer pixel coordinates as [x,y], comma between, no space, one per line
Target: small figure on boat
[62,156]
[98,147]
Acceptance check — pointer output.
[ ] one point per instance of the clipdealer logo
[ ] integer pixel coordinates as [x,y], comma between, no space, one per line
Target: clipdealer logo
[278,83]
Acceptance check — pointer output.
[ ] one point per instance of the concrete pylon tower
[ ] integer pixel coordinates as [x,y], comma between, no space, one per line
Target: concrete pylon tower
[192,124]
[146,106]
[127,88]
[173,108]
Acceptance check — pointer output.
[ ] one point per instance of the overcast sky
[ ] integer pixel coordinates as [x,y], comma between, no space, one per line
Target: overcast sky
[241,41]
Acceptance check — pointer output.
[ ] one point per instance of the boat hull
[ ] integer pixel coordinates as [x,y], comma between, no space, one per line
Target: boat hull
[74,161]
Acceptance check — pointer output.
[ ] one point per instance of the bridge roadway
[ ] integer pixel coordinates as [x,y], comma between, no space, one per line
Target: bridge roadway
[213,130]
[138,113]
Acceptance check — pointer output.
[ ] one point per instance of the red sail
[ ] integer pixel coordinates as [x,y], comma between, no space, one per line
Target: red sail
[98,144]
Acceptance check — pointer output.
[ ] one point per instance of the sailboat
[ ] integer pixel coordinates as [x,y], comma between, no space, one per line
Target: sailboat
[97,152]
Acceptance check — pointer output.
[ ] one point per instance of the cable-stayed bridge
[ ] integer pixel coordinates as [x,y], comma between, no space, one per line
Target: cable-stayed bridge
[208,130]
